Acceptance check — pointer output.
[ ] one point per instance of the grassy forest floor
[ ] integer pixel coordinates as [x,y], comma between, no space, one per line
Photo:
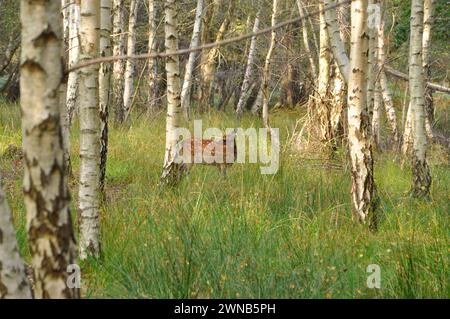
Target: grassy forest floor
[290,235]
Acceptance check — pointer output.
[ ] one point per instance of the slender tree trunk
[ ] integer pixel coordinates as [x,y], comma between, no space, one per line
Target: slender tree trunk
[208,68]
[386,92]
[376,115]
[363,186]
[187,83]
[50,234]
[152,62]
[72,82]
[421,173]
[104,85]
[118,50]
[306,38]
[407,132]
[170,170]
[339,94]
[89,199]
[266,74]
[65,127]
[13,280]
[337,44]
[311,25]
[248,70]
[428,18]
[130,64]
[65,11]
[339,101]
[323,100]
[372,62]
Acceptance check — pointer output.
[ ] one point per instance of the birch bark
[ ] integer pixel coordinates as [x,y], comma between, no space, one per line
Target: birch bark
[187,83]
[46,194]
[170,169]
[421,172]
[13,280]
[130,64]
[104,85]
[248,70]
[363,186]
[89,195]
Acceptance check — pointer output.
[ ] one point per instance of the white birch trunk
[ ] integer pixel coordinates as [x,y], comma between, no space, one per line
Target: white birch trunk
[130,64]
[407,132]
[152,62]
[72,81]
[208,68]
[46,194]
[337,45]
[173,117]
[118,50]
[372,62]
[248,70]
[376,114]
[104,85]
[89,199]
[187,83]
[13,280]
[266,74]
[421,173]
[428,18]
[323,105]
[305,35]
[363,186]
[385,91]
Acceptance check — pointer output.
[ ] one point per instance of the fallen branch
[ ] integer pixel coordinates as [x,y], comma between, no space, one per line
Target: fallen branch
[403,76]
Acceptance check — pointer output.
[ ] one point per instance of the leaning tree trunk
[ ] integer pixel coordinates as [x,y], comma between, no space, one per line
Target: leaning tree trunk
[13,280]
[104,85]
[385,91]
[308,50]
[428,18]
[118,50]
[130,65]
[72,81]
[421,173]
[266,72]
[46,194]
[89,199]
[152,62]
[170,170]
[248,70]
[363,186]
[209,67]
[187,83]
[337,44]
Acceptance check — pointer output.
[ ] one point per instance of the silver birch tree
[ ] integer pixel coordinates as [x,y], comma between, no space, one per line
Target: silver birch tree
[104,85]
[130,64]
[118,37]
[46,194]
[187,83]
[173,117]
[13,280]
[248,70]
[421,172]
[89,195]
[363,186]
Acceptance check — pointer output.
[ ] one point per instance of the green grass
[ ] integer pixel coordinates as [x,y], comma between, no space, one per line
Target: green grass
[250,236]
